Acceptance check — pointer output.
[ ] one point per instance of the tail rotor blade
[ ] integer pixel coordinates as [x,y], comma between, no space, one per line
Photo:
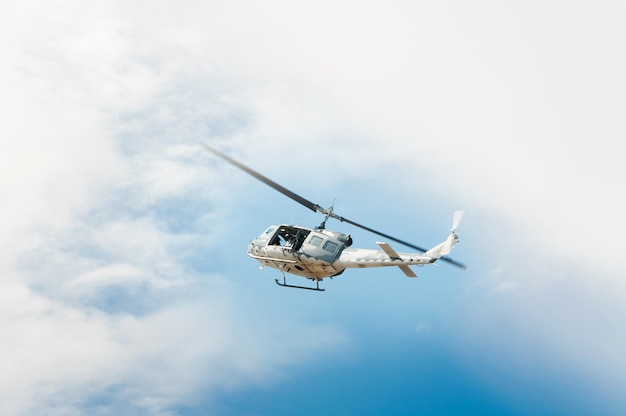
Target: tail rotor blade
[458,215]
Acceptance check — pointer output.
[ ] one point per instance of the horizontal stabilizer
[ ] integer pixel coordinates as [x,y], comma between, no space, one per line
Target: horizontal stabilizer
[395,256]
[407,270]
[389,251]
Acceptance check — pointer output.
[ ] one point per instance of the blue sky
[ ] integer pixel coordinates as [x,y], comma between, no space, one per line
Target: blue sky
[126,288]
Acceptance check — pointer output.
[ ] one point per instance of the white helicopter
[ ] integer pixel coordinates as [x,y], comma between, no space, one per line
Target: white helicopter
[317,253]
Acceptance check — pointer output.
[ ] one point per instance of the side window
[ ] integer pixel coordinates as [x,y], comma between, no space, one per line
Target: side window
[330,246]
[315,241]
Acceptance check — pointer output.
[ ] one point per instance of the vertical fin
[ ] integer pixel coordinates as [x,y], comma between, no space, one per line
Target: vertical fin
[444,248]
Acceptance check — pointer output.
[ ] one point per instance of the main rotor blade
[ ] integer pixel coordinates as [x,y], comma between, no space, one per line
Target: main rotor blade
[371,230]
[397,240]
[310,205]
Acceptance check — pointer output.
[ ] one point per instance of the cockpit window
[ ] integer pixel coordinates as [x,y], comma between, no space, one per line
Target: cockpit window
[267,233]
[330,246]
[315,241]
[287,236]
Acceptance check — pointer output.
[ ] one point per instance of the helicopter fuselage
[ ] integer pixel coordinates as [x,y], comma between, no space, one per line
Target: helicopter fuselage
[320,253]
[317,253]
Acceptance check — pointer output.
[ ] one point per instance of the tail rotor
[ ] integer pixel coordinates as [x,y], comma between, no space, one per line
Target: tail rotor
[458,215]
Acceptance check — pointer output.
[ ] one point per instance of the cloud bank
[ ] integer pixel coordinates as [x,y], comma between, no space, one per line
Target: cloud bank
[110,300]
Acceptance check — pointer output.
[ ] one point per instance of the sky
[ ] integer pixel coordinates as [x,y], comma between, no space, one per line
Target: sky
[125,285]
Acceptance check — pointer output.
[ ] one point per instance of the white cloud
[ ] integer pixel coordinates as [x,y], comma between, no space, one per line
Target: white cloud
[102,310]
[506,286]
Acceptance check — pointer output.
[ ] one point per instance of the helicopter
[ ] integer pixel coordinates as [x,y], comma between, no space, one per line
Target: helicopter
[318,253]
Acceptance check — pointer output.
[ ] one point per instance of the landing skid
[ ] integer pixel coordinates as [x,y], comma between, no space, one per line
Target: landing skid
[284,284]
